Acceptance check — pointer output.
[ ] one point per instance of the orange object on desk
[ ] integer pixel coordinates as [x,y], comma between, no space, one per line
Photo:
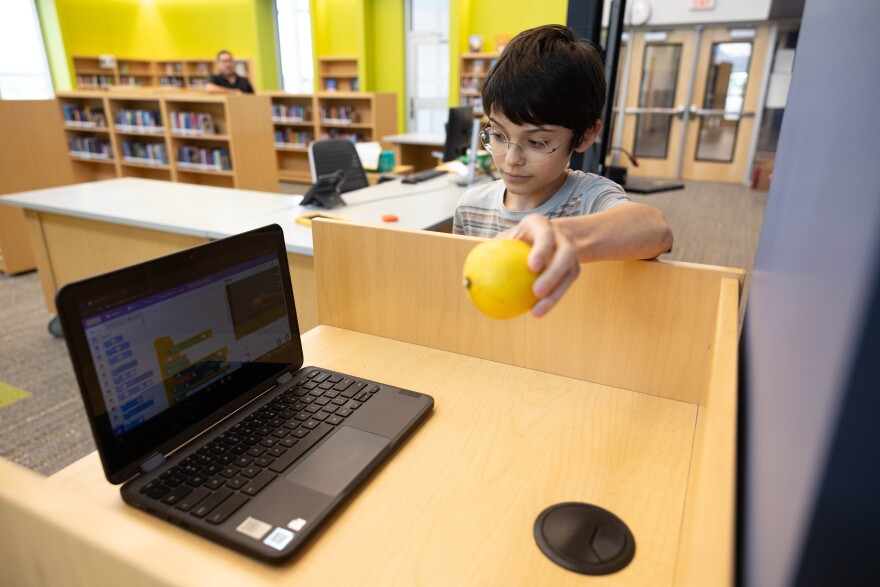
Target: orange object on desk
[389,218]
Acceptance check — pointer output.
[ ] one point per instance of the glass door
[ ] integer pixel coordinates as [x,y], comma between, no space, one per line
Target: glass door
[727,86]
[655,102]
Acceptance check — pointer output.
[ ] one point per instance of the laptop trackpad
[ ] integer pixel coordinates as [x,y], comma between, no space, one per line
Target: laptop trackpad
[335,463]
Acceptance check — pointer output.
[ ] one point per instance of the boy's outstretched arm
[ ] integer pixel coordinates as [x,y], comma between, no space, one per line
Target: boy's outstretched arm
[560,245]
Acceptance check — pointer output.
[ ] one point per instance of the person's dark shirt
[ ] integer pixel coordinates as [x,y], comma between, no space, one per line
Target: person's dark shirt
[240,83]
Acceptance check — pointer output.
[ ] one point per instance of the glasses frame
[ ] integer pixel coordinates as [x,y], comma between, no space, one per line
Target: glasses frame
[486,137]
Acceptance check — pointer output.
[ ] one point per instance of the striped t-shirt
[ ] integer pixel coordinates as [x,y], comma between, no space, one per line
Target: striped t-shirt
[481,210]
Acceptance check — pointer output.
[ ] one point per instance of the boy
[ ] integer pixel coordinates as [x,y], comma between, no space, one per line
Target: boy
[544,98]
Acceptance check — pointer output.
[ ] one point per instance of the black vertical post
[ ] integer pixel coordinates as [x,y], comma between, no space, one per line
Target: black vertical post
[612,57]
[585,19]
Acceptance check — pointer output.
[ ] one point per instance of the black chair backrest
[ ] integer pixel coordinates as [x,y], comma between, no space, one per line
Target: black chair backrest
[330,155]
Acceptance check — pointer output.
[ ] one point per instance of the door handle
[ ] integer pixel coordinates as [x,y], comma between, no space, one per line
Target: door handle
[679,111]
[706,112]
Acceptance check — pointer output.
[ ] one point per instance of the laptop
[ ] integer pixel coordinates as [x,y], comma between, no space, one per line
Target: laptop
[191,370]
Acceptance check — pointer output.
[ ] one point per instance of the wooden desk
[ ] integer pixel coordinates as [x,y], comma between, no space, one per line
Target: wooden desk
[636,413]
[416,149]
[84,229]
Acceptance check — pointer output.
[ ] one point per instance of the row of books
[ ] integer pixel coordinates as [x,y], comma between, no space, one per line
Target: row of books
[171,82]
[94,81]
[348,136]
[145,153]
[139,120]
[470,84]
[331,85]
[291,113]
[191,123]
[203,158]
[479,65]
[339,114]
[286,137]
[90,148]
[83,116]
[130,80]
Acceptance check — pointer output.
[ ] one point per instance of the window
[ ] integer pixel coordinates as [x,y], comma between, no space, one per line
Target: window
[427,63]
[295,46]
[24,72]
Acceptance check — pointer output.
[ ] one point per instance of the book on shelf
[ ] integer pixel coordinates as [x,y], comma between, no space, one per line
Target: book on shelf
[84,81]
[144,153]
[339,115]
[203,158]
[139,121]
[290,113]
[171,82]
[336,134]
[85,117]
[191,123]
[90,148]
[330,84]
[286,137]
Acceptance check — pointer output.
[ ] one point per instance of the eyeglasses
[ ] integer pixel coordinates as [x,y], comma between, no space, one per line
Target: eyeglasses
[533,150]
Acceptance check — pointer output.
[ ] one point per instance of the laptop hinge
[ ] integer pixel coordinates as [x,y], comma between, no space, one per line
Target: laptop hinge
[284,378]
[152,463]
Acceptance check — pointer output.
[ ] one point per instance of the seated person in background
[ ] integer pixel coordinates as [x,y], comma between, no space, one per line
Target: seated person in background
[544,99]
[226,81]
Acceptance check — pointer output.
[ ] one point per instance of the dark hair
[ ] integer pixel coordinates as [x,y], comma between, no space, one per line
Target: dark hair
[546,75]
[219,53]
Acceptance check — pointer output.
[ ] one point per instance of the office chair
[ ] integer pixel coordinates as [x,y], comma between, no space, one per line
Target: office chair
[328,156]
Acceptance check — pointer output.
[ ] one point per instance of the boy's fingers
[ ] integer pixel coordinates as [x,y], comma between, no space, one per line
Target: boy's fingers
[563,263]
[543,241]
[545,304]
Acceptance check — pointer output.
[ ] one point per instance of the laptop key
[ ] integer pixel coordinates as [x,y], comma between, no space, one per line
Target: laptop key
[237,483]
[210,502]
[157,491]
[250,471]
[190,500]
[177,494]
[222,512]
[301,448]
[215,483]
[258,483]
[334,420]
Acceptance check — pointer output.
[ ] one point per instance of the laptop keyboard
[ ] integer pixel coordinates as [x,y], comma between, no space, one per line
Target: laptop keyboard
[228,471]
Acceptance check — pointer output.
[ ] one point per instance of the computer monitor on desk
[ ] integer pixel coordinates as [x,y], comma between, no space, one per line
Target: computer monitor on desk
[458,132]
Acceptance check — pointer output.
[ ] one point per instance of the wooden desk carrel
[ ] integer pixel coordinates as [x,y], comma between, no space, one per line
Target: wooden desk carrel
[623,396]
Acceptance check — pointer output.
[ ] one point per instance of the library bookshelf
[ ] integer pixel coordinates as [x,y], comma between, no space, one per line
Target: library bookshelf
[183,74]
[338,74]
[223,141]
[299,119]
[474,68]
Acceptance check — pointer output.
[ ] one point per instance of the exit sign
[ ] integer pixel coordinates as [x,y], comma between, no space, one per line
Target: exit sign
[702,4]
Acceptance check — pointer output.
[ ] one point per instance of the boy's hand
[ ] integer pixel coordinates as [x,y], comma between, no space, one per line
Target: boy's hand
[553,253]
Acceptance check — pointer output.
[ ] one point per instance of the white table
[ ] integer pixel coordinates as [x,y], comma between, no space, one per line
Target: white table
[85,229]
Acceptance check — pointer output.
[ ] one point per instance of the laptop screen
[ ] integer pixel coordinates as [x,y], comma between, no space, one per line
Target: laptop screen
[164,349]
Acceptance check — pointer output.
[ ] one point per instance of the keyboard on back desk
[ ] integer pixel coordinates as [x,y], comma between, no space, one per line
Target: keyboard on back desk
[236,465]
[423,175]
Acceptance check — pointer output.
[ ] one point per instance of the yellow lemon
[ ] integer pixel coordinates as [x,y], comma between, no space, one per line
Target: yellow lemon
[498,278]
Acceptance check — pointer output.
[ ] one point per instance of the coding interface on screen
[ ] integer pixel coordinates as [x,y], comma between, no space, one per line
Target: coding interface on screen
[154,352]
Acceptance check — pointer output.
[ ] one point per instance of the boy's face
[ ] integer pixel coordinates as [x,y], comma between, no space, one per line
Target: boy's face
[533,163]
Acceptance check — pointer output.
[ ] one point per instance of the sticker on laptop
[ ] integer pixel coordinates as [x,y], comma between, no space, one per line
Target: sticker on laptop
[279,538]
[254,528]
[297,524]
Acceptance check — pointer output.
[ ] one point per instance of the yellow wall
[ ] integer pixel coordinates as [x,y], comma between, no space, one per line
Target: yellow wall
[172,29]
[386,52]
[489,18]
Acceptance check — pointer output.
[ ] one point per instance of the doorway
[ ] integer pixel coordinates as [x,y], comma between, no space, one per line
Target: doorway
[690,101]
